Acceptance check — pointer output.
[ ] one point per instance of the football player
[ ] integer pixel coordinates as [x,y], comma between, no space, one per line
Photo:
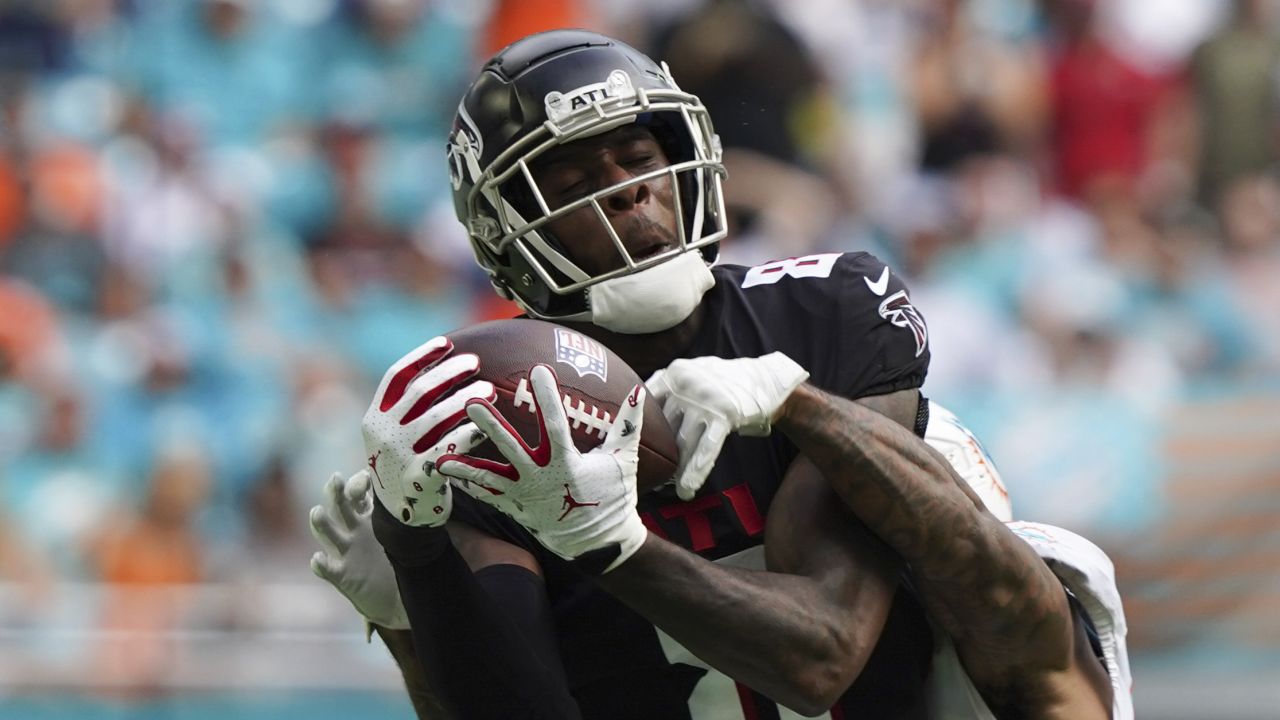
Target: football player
[771,577]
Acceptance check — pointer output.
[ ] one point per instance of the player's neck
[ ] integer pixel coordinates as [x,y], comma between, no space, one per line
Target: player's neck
[652,351]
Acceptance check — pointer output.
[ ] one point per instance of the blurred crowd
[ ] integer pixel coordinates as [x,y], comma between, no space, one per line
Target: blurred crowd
[221,220]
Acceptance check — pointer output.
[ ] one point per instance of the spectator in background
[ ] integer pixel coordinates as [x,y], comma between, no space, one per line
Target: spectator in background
[394,65]
[1079,315]
[55,245]
[24,564]
[29,342]
[266,554]
[1093,411]
[156,380]
[354,224]
[1250,215]
[745,63]
[1104,110]
[165,220]
[510,20]
[29,331]
[148,557]
[31,39]
[233,72]
[1187,300]
[975,94]
[1234,79]
[276,534]
[13,207]
[58,489]
[742,61]
[361,265]
[99,33]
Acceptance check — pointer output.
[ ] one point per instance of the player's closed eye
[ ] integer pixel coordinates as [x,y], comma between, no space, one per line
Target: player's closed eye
[572,191]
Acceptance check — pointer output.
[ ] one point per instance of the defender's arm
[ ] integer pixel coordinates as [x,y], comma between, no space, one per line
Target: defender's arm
[1006,611]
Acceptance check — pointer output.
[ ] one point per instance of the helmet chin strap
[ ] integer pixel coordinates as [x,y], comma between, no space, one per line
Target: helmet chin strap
[654,299]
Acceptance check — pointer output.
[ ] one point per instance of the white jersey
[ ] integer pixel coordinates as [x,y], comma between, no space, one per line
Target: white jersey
[961,448]
[1084,570]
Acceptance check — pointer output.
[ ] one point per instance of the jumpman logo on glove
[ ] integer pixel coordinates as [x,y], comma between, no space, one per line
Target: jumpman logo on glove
[522,486]
[570,503]
[373,465]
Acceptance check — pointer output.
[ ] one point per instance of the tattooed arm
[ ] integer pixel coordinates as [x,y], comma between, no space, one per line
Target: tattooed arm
[1005,610]
[800,632]
[803,631]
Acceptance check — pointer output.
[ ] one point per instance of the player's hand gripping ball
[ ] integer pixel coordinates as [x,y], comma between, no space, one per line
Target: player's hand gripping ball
[580,506]
[418,414]
[593,382]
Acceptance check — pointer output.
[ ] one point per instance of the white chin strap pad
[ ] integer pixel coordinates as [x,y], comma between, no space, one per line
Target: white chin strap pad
[654,299]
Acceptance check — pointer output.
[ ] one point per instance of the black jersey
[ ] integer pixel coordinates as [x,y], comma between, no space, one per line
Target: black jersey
[848,320]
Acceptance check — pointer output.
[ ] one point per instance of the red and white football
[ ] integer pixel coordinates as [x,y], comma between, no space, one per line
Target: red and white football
[593,382]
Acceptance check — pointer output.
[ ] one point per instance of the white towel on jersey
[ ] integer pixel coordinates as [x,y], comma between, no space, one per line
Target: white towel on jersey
[961,448]
[1088,573]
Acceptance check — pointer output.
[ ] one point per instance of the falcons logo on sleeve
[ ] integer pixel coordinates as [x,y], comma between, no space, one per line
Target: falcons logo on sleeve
[899,311]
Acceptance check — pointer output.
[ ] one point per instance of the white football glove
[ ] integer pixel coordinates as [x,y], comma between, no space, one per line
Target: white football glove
[573,503]
[704,399]
[414,418]
[350,558]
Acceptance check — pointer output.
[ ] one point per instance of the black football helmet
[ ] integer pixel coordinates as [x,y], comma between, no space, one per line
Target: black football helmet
[553,88]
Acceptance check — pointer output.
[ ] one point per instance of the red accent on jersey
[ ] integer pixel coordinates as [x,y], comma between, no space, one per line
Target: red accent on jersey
[694,513]
[744,506]
[651,523]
